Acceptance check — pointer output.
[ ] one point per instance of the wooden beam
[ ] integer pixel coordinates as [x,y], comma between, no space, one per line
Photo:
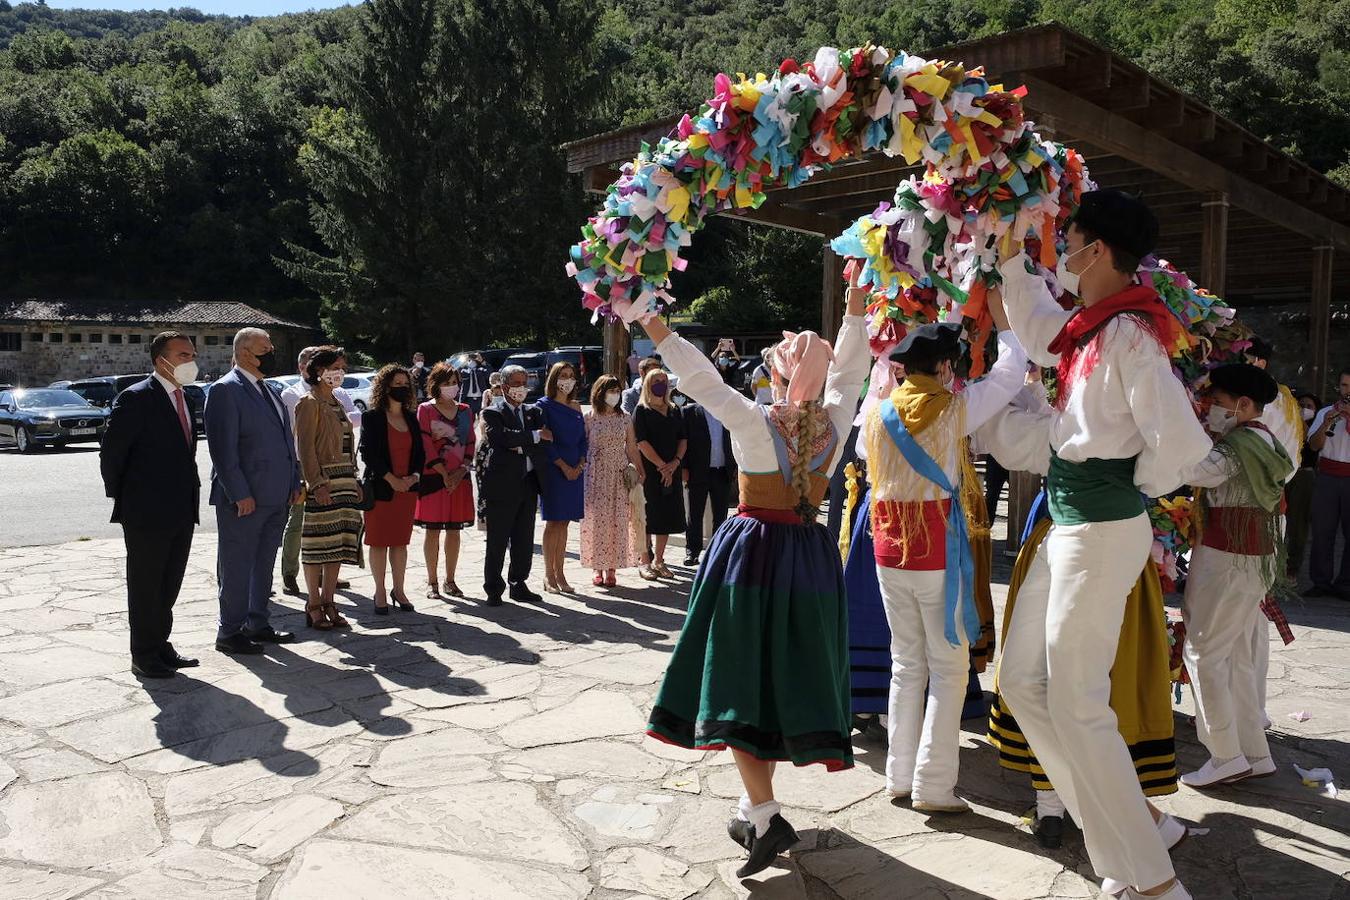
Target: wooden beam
[1195,128]
[1164,112]
[1319,332]
[618,344]
[782,216]
[826,188]
[1124,95]
[1214,244]
[1129,140]
[831,292]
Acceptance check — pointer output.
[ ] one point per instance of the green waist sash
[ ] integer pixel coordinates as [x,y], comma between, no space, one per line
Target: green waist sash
[1094,490]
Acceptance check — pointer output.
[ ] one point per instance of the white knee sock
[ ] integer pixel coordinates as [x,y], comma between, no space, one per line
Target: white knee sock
[760,815]
[1049,804]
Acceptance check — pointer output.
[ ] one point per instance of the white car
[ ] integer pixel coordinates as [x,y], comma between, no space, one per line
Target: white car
[358,386]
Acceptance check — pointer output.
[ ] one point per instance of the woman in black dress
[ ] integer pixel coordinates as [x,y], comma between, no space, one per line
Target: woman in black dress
[659,430]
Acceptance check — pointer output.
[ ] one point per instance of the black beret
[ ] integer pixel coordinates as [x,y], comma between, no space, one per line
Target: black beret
[935,340]
[1244,380]
[1120,219]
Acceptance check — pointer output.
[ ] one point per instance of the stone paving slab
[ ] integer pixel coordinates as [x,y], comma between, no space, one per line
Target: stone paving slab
[465,752]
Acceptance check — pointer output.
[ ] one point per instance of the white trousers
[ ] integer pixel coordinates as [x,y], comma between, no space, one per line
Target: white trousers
[1056,677]
[924,741]
[1222,612]
[1261,658]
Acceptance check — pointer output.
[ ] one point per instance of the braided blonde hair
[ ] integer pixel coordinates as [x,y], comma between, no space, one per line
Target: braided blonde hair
[808,429]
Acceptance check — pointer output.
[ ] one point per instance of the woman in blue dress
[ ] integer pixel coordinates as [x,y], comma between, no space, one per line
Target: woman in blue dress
[563,498]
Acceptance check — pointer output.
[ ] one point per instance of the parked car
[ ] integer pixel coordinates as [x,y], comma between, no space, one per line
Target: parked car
[55,385]
[98,391]
[195,395]
[358,386]
[588,361]
[49,417]
[280,383]
[535,366]
[495,358]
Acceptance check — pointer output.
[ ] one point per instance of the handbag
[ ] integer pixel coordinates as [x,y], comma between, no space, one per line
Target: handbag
[373,490]
[430,483]
[630,476]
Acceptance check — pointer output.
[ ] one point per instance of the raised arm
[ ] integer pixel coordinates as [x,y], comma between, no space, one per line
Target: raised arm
[1033,314]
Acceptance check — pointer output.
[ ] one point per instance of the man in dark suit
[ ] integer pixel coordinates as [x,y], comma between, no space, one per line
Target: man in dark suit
[511,485]
[149,465]
[475,379]
[709,473]
[254,481]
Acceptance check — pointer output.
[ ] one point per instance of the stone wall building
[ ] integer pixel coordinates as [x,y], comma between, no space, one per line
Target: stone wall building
[42,341]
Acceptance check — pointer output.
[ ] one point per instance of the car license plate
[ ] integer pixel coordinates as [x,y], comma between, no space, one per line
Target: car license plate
[82,431]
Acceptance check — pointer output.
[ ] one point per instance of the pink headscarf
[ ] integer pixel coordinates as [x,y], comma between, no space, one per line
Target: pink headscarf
[803,361]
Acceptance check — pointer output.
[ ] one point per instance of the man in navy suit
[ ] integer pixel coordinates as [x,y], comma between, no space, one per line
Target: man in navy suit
[510,486]
[149,465]
[254,481]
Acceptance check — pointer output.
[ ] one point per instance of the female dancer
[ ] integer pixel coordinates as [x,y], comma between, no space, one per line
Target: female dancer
[762,663]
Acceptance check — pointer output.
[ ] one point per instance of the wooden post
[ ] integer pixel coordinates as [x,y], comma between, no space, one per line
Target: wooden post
[1022,490]
[618,343]
[831,292]
[1214,244]
[1319,337]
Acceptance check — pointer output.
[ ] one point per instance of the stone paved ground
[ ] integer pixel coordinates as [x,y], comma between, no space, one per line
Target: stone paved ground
[463,752]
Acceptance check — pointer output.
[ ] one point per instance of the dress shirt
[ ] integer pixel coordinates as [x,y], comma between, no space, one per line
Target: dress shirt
[292,396]
[717,456]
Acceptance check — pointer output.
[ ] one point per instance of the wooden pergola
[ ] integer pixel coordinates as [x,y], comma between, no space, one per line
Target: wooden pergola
[1245,219]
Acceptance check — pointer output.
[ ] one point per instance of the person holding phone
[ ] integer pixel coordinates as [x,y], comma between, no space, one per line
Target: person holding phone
[727,361]
[1329,437]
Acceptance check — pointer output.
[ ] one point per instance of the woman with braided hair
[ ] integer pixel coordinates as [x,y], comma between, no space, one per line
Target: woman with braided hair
[761,666]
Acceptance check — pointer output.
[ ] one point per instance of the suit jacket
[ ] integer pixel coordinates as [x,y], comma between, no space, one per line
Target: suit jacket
[149,468]
[375,449]
[475,381]
[252,447]
[508,446]
[698,450]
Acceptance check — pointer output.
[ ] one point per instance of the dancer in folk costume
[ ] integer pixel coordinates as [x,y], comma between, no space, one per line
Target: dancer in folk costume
[1124,428]
[761,665]
[926,498]
[1141,696]
[1239,558]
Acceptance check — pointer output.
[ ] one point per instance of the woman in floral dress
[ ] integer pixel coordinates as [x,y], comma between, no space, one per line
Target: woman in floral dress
[606,539]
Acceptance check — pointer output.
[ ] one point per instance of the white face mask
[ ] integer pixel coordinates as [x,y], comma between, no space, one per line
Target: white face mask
[333,378]
[1221,420]
[1069,280]
[612,399]
[1308,414]
[518,394]
[678,401]
[185,373]
[565,385]
[449,392]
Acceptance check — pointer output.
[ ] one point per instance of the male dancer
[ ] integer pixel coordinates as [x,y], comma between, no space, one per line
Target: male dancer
[923,488]
[1123,425]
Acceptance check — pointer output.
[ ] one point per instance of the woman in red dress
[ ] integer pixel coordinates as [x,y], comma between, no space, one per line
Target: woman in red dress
[391,448]
[448,441]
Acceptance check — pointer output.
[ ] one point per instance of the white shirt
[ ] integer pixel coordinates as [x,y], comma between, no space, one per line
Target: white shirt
[982,399]
[1018,436]
[1337,446]
[1216,472]
[170,387]
[292,396]
[752,442]
[254,380]
[1284,422]
[1131,405]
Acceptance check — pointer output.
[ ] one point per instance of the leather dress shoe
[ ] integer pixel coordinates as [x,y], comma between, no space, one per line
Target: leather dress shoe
[739,831]
[238,645]
[691,560]
[343,584]
[289,586]
[169,656]
[523,594]
[151,667]
[270,635]
[1049,831]
[494,600]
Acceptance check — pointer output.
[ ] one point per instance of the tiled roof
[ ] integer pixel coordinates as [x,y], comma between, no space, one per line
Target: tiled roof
[115,312]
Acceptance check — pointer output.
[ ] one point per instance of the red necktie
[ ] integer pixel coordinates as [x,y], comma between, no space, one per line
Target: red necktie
[182,415]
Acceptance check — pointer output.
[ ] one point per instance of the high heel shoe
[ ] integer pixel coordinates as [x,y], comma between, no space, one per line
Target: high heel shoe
[403,602]
[316,617]
[434,591]
[335,619]
[450,589]
[381,610]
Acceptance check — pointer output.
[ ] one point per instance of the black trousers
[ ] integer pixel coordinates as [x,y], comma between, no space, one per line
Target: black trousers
[510,523]
[156,561]
[717,489]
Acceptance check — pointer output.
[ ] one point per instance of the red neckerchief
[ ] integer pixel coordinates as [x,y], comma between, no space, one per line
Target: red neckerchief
[1078,336]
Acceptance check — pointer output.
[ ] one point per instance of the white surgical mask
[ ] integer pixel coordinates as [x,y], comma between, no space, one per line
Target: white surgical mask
[566,384]
[449,392]
[518,394]
[1220,420]
[1069,280]
[333,378]
[1308,414]
[612,399]
[185,373]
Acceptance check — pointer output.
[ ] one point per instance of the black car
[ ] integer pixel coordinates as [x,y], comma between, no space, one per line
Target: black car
[588,361]
[196,402]
[98,391]
[495,358]
[535,366]
[45,417]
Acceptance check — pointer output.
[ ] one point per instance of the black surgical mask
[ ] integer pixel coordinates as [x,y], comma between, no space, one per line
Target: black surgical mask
[402,393]
[267,362]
